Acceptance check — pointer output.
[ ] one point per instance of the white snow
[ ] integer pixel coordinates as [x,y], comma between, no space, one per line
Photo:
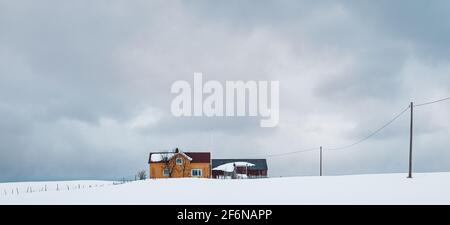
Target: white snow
[229,167]
[425,188]
[241,176]
[158,157]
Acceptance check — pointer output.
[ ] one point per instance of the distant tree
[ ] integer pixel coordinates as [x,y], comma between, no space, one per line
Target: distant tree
[168,163]
[142,175]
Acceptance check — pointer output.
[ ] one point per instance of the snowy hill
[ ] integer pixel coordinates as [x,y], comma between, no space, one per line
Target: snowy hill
[425,188]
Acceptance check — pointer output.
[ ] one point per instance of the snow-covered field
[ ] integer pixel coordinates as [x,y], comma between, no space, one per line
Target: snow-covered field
[425,188]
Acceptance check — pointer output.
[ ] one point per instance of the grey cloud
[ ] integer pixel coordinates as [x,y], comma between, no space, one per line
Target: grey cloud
[417,22]
[73,75]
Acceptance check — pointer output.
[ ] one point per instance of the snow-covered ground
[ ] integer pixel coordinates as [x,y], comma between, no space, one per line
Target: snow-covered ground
[425,188]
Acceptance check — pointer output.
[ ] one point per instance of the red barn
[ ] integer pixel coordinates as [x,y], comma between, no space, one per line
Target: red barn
[239,168]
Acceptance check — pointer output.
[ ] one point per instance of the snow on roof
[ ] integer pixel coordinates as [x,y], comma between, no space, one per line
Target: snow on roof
[260,164]
[229,167]
[158,157]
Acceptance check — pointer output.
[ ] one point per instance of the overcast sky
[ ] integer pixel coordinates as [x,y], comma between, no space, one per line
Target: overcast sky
[85,85]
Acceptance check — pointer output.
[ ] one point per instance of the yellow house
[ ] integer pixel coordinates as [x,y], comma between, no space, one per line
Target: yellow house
[179,164]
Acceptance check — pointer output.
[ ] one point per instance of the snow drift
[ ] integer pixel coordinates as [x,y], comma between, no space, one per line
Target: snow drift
[426,188]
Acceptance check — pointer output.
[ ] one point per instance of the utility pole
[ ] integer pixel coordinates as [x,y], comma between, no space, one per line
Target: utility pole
[411,139]
[320,160]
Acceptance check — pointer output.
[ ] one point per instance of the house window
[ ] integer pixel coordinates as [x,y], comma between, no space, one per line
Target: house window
[179,161]
[166,172]
[196,172]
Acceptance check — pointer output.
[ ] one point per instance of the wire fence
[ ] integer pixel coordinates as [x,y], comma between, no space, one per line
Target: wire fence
[21,188]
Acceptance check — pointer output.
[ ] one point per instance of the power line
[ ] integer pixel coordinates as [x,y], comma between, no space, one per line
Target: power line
[370,135]
[432,102]
[285,153]
[363,139]
[295,152]
[343,147]
[411,107]
[386,125]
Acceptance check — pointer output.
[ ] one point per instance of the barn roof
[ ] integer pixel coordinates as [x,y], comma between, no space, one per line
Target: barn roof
[199,157]
[260,164]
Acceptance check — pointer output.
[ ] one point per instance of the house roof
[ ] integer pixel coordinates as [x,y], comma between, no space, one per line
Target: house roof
[162,156]
[194,157]
[199,157]
[260,164]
